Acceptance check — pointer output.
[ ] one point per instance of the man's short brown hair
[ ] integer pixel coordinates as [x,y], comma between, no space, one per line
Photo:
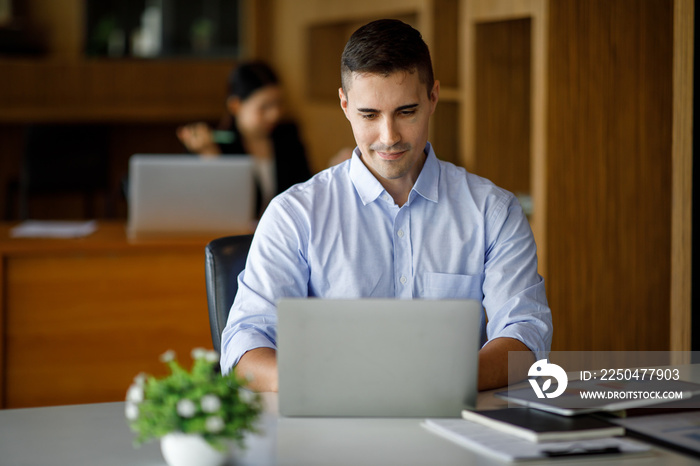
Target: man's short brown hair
[384,47]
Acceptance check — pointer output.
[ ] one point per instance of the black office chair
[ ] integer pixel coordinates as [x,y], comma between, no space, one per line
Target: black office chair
[64,159]
[225,259]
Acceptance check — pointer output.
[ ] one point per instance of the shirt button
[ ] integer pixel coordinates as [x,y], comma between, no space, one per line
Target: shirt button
[403,280]
[400,233]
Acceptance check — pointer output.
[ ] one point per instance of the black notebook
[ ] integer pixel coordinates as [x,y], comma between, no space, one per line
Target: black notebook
[540,426]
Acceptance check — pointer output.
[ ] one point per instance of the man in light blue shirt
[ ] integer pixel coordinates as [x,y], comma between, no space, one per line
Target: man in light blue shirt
[393,221]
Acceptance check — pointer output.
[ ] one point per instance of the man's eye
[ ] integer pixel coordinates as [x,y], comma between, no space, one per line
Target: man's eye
[408,112]
[369,116]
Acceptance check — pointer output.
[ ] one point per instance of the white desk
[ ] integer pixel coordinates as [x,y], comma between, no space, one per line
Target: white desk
[98,434]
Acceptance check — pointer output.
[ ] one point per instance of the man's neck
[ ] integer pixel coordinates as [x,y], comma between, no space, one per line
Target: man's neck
[398,193]
[400,189]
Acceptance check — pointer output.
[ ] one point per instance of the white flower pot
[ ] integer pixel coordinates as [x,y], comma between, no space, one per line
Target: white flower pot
[190,450]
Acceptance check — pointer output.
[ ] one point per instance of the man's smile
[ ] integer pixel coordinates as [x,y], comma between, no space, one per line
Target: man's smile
[391,155]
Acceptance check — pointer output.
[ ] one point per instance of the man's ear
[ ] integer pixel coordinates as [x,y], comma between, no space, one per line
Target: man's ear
[233,104]
[343,101]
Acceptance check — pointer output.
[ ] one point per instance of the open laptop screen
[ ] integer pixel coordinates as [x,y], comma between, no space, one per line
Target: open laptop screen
[183,194]
[377,357]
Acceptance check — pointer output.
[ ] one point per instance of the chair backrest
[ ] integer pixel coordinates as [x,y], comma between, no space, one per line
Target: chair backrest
[65,159]
[225,259]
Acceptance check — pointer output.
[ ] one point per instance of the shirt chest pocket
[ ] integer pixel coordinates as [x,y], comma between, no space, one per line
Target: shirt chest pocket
[453,286]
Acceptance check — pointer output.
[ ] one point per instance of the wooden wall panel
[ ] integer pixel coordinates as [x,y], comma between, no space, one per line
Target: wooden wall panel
[112,90]
[682,211]
[444,126]
[503,103]
[60,25]
[258,29]
[609,173]
[325,43]
[444,52]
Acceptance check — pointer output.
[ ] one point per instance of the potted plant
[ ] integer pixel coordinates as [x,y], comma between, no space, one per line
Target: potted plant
[191,410]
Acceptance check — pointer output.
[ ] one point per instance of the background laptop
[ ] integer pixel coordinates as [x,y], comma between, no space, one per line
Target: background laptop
[170,195]
[377,357]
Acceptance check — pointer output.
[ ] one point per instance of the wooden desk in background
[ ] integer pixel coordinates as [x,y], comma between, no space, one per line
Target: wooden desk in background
[79,318]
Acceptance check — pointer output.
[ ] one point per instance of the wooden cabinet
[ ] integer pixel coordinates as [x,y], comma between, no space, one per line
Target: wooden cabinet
[80,318]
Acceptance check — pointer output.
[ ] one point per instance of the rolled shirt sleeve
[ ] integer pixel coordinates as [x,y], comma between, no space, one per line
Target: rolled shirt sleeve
[514,292]
[275,267]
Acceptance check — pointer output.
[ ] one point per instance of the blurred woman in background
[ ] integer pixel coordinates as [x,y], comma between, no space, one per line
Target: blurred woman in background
[253,126]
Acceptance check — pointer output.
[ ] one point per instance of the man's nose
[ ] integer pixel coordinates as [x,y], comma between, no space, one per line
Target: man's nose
[389,133]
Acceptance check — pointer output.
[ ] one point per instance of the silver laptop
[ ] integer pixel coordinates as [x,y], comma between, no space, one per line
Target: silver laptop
[171,195]
[377,357]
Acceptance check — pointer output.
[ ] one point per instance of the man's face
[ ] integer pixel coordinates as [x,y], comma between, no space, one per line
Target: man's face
[389,116]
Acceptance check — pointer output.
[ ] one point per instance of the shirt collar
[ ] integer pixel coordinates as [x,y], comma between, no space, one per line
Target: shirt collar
[366,185]
[369,188]
[429,178]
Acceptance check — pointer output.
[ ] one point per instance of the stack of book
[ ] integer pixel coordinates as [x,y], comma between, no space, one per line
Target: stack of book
[516,434]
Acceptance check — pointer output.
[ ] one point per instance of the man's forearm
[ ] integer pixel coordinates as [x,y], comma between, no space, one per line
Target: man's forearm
[493,363]
[259,367]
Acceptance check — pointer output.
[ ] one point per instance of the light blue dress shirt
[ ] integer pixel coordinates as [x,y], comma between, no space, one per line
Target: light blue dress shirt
[341,235]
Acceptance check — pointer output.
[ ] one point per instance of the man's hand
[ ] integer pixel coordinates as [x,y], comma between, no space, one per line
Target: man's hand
[493,363]
[259,367]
